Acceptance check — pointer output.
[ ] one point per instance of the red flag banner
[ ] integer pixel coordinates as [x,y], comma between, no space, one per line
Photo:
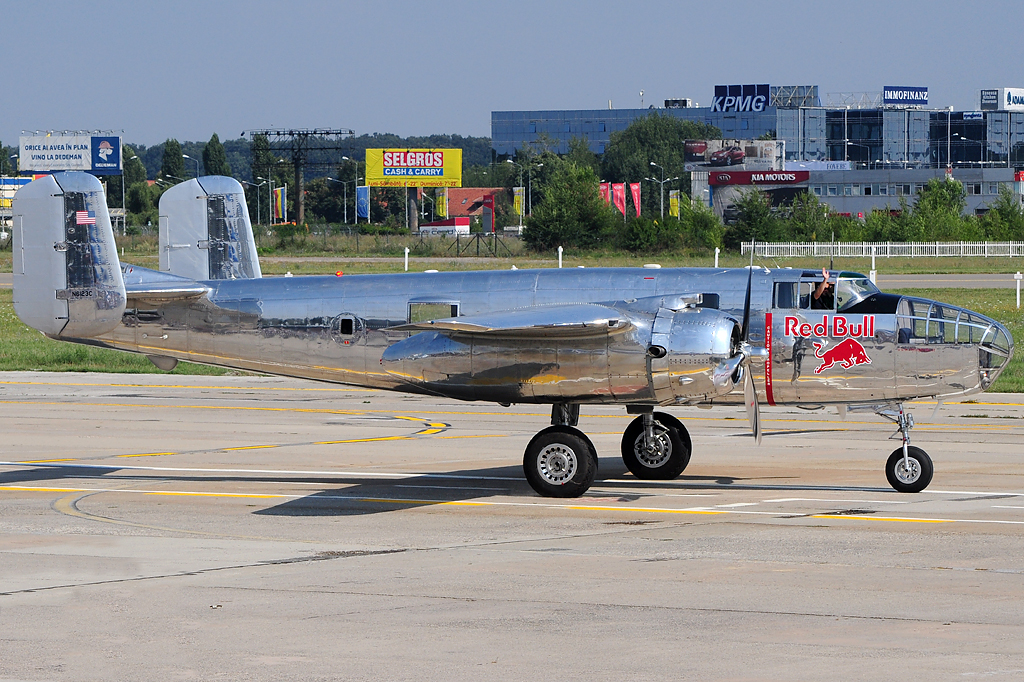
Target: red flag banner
[634,188]
[619,196]
[604,193]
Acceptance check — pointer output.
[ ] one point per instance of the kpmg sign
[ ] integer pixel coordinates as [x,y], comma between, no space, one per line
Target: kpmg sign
[740,98]
[904,95]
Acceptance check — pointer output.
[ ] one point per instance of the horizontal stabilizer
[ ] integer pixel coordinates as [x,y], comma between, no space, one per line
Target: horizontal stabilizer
[146,286]
[558,321]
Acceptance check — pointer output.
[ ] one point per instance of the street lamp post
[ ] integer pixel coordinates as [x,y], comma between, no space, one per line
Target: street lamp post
[195,161]
[124,206]
[662,183]
[532,166]
[253,184]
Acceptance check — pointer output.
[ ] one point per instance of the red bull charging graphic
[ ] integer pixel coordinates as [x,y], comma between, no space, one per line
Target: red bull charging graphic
[847,354]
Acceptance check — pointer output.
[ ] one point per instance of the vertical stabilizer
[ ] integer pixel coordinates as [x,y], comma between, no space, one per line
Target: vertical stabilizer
[205,231]
[67,278]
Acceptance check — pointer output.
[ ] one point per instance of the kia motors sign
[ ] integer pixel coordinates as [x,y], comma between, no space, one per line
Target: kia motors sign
[905,95]
[740,98]
[758,177]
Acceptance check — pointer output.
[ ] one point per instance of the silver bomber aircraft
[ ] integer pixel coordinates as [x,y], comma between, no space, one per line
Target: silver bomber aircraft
[646,339]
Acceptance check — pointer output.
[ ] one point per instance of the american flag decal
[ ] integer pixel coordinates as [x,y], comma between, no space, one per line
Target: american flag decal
[85,218]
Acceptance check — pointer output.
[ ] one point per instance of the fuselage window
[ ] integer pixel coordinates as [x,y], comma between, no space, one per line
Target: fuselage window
[786,294]
[424,312]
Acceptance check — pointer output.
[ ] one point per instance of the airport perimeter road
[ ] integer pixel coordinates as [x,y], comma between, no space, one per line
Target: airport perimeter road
[956,281]
[168,527]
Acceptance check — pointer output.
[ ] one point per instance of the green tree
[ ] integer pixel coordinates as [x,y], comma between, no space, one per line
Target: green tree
[215,159]
[659,139]
[807,217]
[134,170]
[571,213]
[755,220]
[938,213]
[705,231]
[173,165]
[1004,220]
[581,155]
[6,167]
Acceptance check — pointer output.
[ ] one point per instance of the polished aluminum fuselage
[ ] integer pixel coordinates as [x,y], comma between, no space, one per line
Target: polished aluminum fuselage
[338,328]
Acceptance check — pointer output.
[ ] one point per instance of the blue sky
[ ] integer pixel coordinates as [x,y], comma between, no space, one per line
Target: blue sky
[188,69]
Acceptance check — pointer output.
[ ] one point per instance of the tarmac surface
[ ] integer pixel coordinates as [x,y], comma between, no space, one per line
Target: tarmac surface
[163,527]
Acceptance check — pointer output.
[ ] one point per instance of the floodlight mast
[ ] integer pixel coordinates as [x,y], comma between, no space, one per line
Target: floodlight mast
[297,141]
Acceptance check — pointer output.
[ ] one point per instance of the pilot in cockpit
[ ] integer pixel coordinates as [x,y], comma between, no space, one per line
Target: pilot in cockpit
[823,297]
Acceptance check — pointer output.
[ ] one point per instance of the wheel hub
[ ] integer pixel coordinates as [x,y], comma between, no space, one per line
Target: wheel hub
[557,464]
[657,452]
[907,475]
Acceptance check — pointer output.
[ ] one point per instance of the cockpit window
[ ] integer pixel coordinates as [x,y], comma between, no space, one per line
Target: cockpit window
[852,289]
[921,321]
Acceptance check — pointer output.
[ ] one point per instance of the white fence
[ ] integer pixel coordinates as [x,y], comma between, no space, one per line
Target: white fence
[888,249]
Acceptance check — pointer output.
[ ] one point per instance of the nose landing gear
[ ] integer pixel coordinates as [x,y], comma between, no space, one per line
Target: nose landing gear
[909,469]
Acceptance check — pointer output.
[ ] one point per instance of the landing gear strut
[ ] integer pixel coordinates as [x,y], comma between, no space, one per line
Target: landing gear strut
[561,461]
[908,469]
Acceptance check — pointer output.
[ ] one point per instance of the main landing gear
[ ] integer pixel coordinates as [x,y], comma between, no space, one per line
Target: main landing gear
[908,469]
[561,461]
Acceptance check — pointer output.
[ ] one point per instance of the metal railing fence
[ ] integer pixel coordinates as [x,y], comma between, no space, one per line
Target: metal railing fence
[887,249]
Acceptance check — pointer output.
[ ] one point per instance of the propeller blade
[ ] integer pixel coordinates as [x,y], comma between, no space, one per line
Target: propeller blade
[746,300]
[750,397]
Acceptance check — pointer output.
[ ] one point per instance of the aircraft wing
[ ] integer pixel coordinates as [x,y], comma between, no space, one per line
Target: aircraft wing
[557,321]
[145,286]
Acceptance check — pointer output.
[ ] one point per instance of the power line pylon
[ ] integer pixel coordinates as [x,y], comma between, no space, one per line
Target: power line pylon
[301,143]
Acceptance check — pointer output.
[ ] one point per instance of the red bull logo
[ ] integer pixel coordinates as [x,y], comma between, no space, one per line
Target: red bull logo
[848,353]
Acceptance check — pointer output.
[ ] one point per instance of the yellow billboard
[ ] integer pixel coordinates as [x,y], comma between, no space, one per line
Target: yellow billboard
[414,167]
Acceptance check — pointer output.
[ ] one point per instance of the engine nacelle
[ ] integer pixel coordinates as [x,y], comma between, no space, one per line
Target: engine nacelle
[694,355]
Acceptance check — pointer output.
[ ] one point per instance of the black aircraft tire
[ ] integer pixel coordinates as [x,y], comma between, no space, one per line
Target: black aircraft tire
[560,461]
[915,480]
[672,455]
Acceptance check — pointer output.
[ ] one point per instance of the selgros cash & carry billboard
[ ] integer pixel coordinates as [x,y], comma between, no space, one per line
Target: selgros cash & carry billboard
[906,95]
[414,167]
[96,154]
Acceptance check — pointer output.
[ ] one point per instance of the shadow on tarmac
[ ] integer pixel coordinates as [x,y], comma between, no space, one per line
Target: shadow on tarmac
[354,496]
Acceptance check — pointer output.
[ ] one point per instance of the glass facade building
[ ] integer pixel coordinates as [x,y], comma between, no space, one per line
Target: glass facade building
[511,130]
[870,138]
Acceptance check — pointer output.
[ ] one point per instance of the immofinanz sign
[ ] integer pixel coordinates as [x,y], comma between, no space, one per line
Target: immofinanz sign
[740,98]
[905,95]
[758,177]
